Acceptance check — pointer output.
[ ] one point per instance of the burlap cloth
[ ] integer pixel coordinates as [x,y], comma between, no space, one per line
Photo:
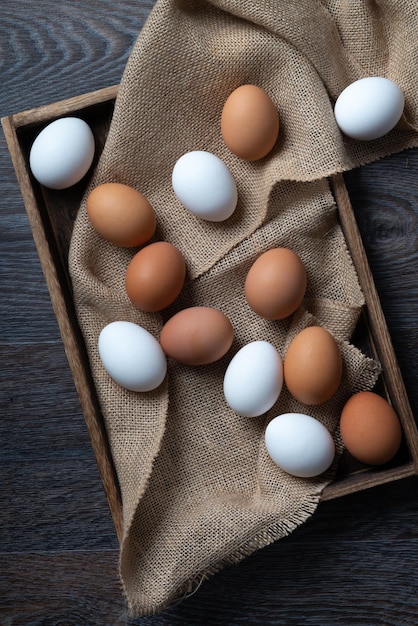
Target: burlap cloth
[198,488]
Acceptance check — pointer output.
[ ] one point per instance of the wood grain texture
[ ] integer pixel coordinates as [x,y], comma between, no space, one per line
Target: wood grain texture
[353,563]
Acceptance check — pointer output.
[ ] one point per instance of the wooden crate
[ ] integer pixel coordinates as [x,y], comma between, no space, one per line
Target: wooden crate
[51,216]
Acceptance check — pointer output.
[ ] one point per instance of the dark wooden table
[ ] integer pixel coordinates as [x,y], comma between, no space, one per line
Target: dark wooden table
[355,561]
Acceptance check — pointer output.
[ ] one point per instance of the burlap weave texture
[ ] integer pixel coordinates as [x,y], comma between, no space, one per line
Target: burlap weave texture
[198,488]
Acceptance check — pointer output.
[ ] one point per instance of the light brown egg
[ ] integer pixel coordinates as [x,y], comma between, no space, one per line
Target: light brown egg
[313,366]
[370,428]
[155,276]
[276,283]
[249,123]
[121,214]
[197,335]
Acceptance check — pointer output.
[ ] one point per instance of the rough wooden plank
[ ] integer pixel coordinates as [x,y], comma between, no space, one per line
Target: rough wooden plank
[39,408]
[280,585]
[49,501]
[61,108]
[79,587]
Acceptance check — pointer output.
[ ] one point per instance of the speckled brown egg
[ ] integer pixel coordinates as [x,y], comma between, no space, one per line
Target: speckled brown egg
[121,214]
[276,283]
[155,276]
[313,366]
[370,428]
[249,123]
[197,335]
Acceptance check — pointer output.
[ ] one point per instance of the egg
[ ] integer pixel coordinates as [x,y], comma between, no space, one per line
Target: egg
[253,379]
[121,214]
[132,357]
[62,153]
[276,283]
[249,122]
[370,428]
[299,444]
[313,366]
[155,276]
[197,335]
[369,108]
[205,186]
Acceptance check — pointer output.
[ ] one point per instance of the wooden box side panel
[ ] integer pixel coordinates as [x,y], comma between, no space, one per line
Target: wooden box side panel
[58,287]
[383,351]
[392,376]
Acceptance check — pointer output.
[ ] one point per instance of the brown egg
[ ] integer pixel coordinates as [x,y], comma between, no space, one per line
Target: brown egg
[249,123]
[121,214]
[155,276]
[197,335]
[313,366]
[276,284]
[370,428]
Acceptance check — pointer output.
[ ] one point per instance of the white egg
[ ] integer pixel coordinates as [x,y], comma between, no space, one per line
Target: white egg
[253,379]
[62,153]
[299,444]
[369,108]
[205,186]
[132,356]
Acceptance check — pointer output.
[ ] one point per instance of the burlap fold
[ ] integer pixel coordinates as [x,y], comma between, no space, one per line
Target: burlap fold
[198,488]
